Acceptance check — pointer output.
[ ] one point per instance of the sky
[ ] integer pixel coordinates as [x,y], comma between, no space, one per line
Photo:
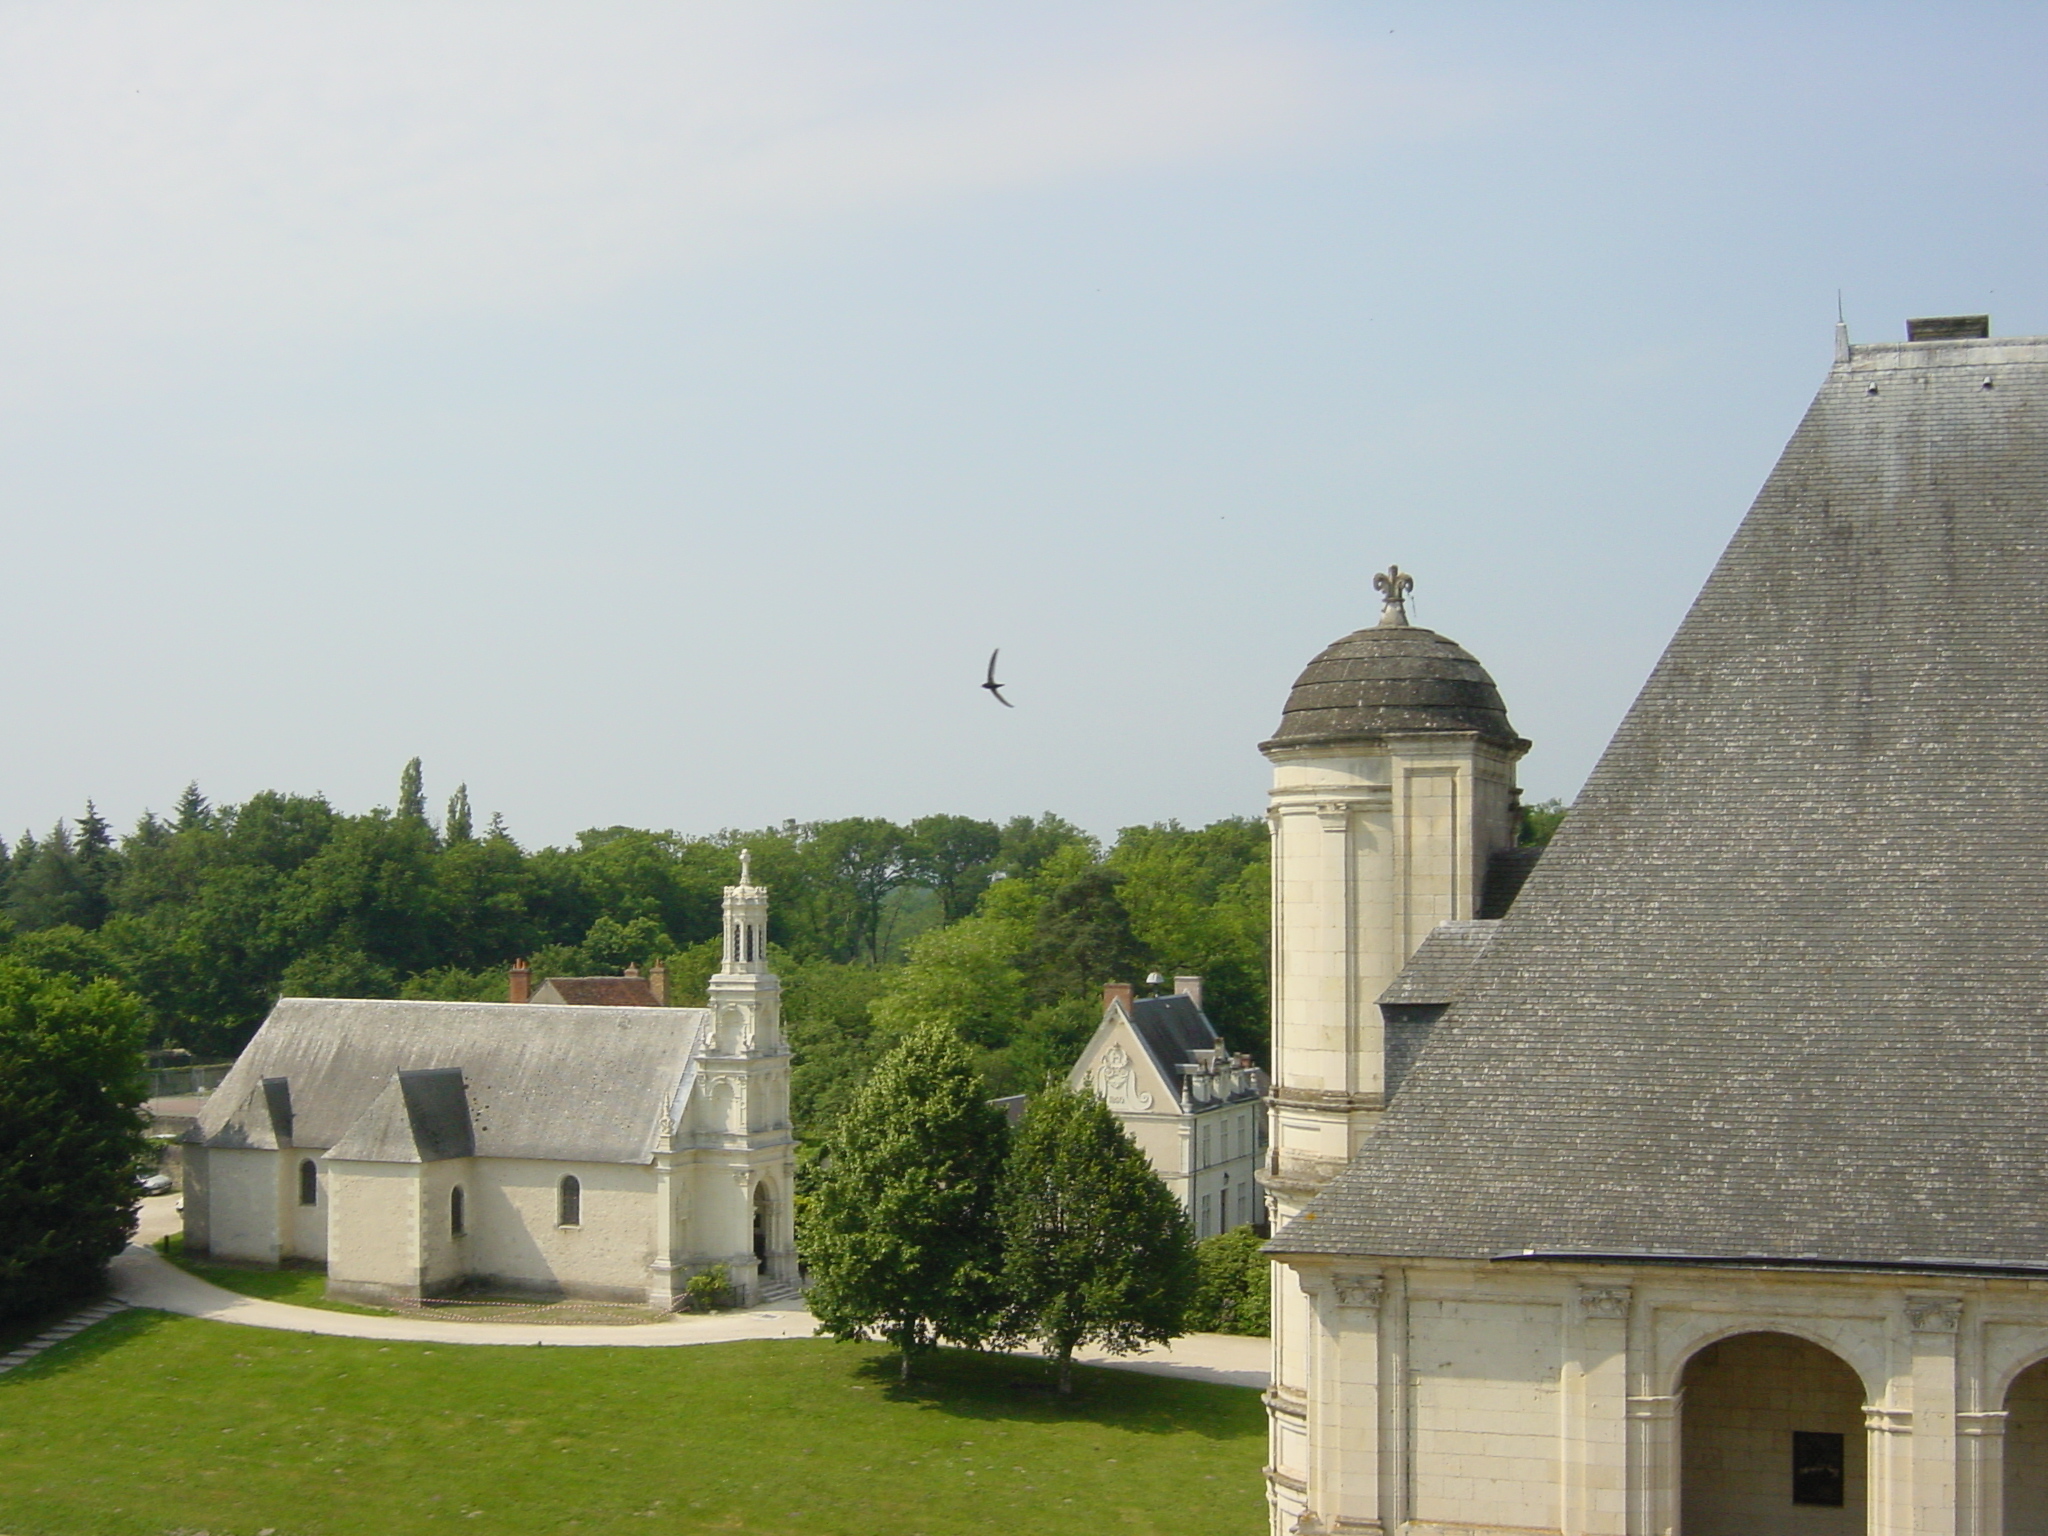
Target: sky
[654,414]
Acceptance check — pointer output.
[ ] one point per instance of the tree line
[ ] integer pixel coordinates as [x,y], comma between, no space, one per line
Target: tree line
[1006,931]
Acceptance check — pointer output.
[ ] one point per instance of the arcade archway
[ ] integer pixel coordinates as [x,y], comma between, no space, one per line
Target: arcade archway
[1771,1440]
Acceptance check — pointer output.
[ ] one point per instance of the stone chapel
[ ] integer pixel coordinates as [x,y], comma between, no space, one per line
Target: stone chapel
[551,1148]
[1700,1187]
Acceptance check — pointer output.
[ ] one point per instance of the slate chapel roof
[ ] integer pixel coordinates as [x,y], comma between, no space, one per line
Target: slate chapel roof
[408,1082]
[1776,990]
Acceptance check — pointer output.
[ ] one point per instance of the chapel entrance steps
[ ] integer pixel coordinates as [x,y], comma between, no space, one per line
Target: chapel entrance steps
[776,1290]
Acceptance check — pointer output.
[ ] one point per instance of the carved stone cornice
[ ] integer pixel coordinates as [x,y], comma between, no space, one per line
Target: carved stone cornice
[1887,1421]
[1934,1314]
[1324,1100]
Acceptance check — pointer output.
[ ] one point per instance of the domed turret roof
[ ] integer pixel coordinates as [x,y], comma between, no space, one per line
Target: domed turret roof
[1393,678]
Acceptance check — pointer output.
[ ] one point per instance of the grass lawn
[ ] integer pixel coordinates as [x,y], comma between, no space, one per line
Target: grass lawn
[298,1285]
[149,1424]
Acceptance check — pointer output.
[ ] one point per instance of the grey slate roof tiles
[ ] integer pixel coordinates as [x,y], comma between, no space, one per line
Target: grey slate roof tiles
[533,1080]
[1777,987]
[1397,678]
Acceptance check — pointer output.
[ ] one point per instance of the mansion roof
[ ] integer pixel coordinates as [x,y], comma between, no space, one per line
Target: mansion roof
[383,1080]
[1775,991]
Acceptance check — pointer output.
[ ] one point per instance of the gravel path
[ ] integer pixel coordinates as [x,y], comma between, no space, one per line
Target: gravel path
[144,1278]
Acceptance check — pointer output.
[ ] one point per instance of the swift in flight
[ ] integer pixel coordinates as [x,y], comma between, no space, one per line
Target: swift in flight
[992,685]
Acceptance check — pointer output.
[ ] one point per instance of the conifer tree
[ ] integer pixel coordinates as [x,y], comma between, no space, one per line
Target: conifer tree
[459,828]
[193,813]
[1096,1248]
[412,794]
[900,1234]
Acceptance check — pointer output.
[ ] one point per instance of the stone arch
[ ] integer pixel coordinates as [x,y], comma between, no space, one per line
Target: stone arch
[1863,1356]
[2026,1451]
[1771,1438]
[763,1205]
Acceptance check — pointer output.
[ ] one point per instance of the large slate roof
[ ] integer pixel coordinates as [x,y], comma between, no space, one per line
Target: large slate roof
[1776,988]
[539,1080]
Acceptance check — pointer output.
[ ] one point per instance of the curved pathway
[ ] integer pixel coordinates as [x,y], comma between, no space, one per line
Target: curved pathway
[143,1278]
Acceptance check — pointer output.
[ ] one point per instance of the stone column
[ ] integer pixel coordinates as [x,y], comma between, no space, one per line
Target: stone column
[1934,1322]
[1980,1442]
[1595,1459]
[1653,1449]
[1344,1404]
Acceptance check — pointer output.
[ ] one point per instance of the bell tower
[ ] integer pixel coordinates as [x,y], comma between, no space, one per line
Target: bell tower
[1393,788]
[746,1068]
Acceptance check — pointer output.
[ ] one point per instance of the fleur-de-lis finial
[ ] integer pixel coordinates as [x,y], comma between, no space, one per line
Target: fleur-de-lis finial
[1393,585]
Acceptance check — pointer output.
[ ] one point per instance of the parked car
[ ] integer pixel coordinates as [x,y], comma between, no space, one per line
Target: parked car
[153,1183]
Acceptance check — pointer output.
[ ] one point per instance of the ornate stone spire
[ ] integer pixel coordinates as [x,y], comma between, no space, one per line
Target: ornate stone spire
[1393,585]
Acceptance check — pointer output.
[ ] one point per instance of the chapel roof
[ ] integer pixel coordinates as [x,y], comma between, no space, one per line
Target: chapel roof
[538,1080]
[1775,991]
[1394,678]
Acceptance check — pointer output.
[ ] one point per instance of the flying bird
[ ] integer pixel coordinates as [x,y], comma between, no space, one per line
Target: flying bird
[992,685]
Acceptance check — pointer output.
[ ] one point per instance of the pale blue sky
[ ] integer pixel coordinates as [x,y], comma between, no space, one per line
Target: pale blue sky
[655,413]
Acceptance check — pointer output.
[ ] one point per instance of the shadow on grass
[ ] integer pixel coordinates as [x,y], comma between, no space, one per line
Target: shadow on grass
[85,1347]
[295,1282]
[969,1384]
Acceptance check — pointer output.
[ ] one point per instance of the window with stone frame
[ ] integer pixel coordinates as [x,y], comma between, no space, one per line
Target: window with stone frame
[569,1202]
[309,1182]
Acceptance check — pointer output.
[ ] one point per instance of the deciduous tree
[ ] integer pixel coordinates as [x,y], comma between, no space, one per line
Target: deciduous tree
[1096,1248]
[71,1133]
[900,1228]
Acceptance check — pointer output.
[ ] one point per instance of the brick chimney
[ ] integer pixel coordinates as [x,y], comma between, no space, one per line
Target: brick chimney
[1188,986]
[632,969]
[520,987]
[1117,992]
[657,982]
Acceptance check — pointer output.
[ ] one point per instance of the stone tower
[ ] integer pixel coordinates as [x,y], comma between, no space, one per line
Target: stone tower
[1393,790]
[746,1072]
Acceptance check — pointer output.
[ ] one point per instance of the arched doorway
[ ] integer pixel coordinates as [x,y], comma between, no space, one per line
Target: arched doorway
[1771,1440]
[761,1229]
[2026,1453]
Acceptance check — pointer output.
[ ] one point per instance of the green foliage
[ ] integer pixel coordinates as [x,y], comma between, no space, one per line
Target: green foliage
[1235,1292]
[900,1228]
[1541,820]
[1095,1247]
[1006,933]
[71,1133]
[1200,904]
[709,1290]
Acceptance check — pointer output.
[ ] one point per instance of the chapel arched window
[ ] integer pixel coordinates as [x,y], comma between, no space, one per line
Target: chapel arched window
[309,1182]
[455,1212]
[569,1202]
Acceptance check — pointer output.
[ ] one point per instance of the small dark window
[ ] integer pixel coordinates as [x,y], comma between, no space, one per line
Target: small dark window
[569,1203]
[1816,1468]
[309,1182]
[455,1211]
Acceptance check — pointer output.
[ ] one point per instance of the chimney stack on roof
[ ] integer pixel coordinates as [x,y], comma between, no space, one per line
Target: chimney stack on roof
[1949,328]
[657,982]
[520,988]
[1188,986]
[1117,992]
